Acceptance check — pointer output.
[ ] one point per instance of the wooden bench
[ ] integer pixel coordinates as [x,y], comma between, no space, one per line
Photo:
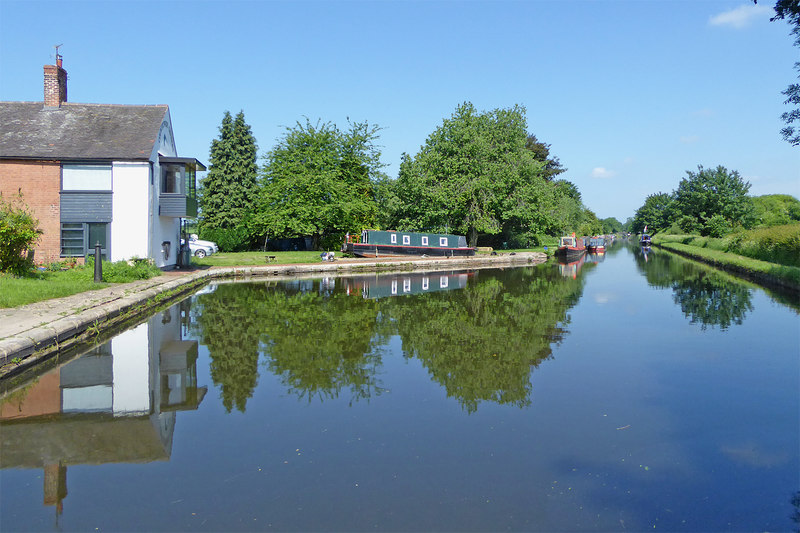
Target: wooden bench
[271,258]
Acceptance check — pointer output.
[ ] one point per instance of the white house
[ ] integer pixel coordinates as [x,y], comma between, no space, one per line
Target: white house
[97,173]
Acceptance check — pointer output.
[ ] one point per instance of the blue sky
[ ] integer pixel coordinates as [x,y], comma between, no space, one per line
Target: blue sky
[629,94]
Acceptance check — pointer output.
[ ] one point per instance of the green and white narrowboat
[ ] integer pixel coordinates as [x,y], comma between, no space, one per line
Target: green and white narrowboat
[377,243]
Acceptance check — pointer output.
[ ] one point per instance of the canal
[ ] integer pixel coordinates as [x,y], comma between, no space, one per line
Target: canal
[632,391]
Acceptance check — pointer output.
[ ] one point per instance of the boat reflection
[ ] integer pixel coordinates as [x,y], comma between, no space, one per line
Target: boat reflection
[406,283]
[572,268]
[115,403]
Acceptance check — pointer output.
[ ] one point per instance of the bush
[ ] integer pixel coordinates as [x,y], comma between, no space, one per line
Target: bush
[228,239]
[19,231]
[716,226]
[777,244]
[125,271]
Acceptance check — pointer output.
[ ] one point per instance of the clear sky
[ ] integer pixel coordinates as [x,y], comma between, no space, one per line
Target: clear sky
[629,94]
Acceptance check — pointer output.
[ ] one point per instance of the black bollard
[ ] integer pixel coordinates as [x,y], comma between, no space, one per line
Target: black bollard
[98,264]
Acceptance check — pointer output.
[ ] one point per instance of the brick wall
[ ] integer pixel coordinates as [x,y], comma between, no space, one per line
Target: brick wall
[40,183]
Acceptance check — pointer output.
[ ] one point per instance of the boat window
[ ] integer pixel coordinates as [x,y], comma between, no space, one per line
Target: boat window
[443,282]
[406,239]
[424,240]
[442,241]
[394,238]
[406,284]
[425,283]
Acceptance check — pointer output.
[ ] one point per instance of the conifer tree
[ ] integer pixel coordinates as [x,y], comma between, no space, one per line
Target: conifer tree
[229,189]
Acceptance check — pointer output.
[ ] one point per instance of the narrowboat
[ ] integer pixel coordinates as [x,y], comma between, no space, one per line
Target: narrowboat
[644,240]
[597,245]
[570,248]
[377,243]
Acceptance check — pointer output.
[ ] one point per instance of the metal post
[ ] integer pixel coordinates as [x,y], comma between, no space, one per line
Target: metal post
[98,264]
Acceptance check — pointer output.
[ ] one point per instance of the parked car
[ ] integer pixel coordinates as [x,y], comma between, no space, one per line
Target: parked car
[197,249]
[210,244]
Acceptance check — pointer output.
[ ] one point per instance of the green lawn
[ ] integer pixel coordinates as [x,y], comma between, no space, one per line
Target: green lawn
[256,258]
[45,285]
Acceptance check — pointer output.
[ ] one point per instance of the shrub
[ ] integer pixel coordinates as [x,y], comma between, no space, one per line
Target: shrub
[19,231]
[777,244]
[125,271]
[228,239]
[716,226]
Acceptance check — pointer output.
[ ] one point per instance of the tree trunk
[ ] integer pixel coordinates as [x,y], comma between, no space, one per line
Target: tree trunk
[473,237]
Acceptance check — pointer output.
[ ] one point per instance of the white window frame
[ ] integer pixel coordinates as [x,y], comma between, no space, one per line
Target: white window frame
[424,240]
[406,240]
[443,282]
[425,283]
[406,284]
[394,286]
[442,241]
[393,238]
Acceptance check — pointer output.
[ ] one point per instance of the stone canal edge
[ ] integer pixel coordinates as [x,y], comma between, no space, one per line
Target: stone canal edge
[33,334]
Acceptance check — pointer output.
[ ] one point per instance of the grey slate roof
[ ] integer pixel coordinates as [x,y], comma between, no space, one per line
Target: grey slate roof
[29,130]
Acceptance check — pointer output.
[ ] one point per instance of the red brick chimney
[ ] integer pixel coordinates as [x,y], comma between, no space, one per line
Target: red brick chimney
[55,84]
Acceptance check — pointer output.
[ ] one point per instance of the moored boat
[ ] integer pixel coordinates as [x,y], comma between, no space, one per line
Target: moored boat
[570,248]
[377,243]
[597,245]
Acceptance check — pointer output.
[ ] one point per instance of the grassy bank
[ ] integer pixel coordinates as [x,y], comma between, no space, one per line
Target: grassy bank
[67,278]
[713,251]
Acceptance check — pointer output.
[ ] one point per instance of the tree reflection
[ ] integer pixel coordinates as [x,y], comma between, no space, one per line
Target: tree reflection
[481,343]
[228,326]
[319,342]
[710,300]
[706,296]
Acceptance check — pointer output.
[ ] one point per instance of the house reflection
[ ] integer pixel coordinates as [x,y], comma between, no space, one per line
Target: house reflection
[383,285]
[116,403]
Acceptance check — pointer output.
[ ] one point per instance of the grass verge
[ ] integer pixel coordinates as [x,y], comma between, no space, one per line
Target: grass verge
[760,271]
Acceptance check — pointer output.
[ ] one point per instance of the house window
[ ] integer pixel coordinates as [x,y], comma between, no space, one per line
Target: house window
[442,241]
[78,238]
[171,179]
[424,240]
[406,239]
[394,238]
[85,177]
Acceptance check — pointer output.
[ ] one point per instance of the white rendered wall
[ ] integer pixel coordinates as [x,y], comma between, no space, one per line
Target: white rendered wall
[131,371]
[163,228]
[131,183]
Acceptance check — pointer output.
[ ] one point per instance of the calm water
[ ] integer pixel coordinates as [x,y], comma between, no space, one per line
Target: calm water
[628,393]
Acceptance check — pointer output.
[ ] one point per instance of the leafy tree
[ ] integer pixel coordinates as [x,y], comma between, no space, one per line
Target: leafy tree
[655,214]
[775,209]
[318,181]
[790,9]
[474,175]
[228,192]
[611,225]
[541,152]
[19,231]
[707,193]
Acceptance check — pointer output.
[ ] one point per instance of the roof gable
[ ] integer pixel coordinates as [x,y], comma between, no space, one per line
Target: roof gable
[79,131]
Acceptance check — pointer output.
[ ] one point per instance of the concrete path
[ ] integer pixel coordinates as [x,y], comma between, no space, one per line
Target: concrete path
[33,332]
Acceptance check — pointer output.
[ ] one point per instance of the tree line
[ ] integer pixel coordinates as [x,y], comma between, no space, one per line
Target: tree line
[713,202]
[480,174]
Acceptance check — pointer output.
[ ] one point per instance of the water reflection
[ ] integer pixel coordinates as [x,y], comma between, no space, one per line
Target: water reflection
[478,340]
[116,403]
[706,296]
